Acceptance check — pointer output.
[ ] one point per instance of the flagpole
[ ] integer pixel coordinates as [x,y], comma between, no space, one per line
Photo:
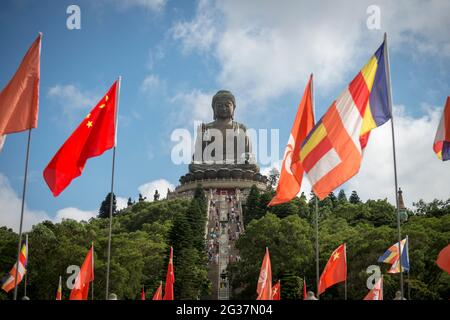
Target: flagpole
[92,266]
[316,204]
[346,265]
[112,193]
[21,213]
[409,266]
[388,73]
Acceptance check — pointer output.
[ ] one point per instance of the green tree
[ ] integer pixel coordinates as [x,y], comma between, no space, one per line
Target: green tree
[342,197]
[354,198]
[103,212]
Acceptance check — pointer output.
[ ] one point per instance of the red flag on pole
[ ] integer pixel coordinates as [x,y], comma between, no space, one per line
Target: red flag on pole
[85,276]
[291,175]
[264,288]
[19,100]
[94,135]
[377,291]
[276,293]
[143,293]
[158,293]
[443,260]
[336,269]
[170,279]
[304,289]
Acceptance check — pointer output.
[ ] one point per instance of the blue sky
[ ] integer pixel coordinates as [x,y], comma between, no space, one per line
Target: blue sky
[174,55]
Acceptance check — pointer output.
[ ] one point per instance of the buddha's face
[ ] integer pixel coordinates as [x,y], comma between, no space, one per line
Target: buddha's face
[224,108]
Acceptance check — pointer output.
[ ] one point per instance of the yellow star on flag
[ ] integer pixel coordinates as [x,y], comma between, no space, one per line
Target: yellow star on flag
[336,256]
[89,124]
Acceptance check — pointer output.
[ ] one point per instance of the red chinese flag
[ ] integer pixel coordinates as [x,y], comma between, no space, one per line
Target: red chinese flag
[443,260]
[143,294]
[19,100]
[276,293]
[170,279]
[291,175]
[264,288]
[158,293]
[85,276]
[335,271]
[94,135]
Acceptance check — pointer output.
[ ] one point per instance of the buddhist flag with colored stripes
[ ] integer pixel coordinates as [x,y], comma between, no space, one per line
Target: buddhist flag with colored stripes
[158,294]
[442,140]
[377,291]
[332,152]
[391,256]
[8,282]
[59,292]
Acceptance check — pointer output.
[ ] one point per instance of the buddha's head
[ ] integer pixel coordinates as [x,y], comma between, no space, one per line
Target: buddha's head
[223,104]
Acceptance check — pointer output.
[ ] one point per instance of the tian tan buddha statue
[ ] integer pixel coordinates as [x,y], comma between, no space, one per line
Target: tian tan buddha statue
[222,147]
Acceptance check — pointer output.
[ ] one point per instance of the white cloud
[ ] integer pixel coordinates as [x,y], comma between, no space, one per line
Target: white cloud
[267,48]
[192,106]
[72,101]
[420,174]
[121,203]
[10,206]
[74,214]
[148,189]
[151,84]
[153,5]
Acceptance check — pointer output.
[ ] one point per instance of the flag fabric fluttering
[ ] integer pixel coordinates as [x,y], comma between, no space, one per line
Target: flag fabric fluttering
[332,152]
[170,279]
[59,292]
[391,256]
[304,289]
[291,174]
[19,100]
[8,281]
[264,288]
[442,140]
[443,260]
[377,291]
[335,270]
[85,277]
[95,135]
[158,294]
[276,293]
[143,293]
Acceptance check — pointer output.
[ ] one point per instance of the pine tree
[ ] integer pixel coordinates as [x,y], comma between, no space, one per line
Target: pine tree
[129,202]
[103,212]
[274,176]
[342,197]
[354,198]
[199,195]
[333,198]
[251,205]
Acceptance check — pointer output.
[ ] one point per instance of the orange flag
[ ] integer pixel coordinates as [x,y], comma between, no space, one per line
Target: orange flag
[158,293]
[336,269]
[85,276]
[95,134]
[443,260]
[377,291]
[264,288]
[170,279]
[276,293]
[19,100]
[291,175]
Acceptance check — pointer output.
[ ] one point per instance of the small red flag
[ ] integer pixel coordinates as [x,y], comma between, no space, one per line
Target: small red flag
[291,175]
[335,271]
[158,293]
[264,288]
[276,293]
[94,135]
[377,291]
[85,276]
[170,279]
[19,100]
[143,294]
[443,260]
[304,289]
